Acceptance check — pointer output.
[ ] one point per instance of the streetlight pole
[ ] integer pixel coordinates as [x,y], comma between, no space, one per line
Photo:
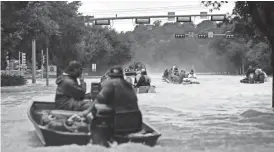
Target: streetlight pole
[33,61]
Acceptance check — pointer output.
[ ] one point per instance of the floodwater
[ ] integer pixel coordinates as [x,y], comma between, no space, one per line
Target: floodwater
[220,114]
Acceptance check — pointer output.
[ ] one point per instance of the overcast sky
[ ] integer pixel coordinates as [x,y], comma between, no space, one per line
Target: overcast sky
[110,8]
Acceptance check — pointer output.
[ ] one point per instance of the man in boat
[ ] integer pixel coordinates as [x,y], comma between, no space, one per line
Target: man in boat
[165,74]
[69,94]
[120,96]
[249,71]
[138,76]
[260,75]
[182,75]
[144,80]
[249,74]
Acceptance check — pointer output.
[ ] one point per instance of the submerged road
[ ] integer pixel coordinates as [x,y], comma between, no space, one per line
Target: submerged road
[220,114]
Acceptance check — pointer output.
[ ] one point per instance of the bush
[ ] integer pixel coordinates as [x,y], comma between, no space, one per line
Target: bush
[12,80]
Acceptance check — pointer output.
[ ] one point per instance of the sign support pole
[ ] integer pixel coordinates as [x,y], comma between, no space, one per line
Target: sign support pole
[42,64]
[47,67]
[33,62]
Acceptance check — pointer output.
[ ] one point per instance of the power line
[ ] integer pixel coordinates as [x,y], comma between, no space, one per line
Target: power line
[144,9]
[147,11]
[149,8]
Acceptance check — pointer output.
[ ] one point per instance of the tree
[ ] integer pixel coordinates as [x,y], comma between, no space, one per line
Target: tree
[257,13]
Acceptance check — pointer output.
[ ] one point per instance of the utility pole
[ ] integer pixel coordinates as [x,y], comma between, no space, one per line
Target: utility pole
[42,64]
[33,61]
[243,67]
[47,67]
[19,63]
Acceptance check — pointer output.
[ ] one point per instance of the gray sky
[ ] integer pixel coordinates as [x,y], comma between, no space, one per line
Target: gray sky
[109,8]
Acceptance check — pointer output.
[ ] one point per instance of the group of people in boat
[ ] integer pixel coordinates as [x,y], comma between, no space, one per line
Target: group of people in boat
[116,93]
[141,78]
[174,75]
[254,75]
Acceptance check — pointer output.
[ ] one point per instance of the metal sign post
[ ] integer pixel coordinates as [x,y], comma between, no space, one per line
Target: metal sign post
[33,61]
[42,64]
[19,63]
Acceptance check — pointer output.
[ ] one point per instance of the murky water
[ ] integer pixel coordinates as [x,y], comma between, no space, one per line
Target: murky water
[220,114]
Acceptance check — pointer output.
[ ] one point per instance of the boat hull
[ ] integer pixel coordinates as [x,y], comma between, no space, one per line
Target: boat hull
[50,137]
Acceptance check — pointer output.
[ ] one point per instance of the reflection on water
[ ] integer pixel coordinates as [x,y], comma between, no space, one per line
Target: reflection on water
[220,114]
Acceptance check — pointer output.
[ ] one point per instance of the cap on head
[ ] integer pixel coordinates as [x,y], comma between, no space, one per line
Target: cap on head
[116,71]
[74,64]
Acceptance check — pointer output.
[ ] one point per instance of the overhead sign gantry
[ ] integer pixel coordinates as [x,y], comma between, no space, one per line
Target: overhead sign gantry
[179,19]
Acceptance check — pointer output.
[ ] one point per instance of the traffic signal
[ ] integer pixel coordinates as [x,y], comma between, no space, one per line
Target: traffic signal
[44,59]
[180,36]
[202,36]
[23,59]
[229,36]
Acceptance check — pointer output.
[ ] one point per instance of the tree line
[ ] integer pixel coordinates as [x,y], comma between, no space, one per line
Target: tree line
[60,27]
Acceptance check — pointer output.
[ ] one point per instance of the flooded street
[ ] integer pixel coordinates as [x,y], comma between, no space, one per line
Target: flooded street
[220,114]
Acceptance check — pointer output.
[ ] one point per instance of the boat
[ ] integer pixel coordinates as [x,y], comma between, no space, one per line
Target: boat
[185,81]
[52,137]
[252,79]
[145,89]
[191,80]
[130,77]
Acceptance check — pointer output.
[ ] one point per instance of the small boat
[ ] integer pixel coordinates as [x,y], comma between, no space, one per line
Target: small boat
[145,89]
[252,79]
[191,81]
[51,137]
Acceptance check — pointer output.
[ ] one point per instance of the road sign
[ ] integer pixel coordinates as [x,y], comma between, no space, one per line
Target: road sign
[184,19]
[94,67]
[102,22]
[217,17]
[210,34]
[202,15]
[171,19]
[142,21]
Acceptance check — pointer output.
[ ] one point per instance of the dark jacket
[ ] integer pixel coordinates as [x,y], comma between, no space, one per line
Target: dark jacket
[249,71]
[118,94]
[143,81]
[68,89]
[182,75]
[165,74]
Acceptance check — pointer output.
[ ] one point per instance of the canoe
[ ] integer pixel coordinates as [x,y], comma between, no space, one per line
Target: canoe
[51,137]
